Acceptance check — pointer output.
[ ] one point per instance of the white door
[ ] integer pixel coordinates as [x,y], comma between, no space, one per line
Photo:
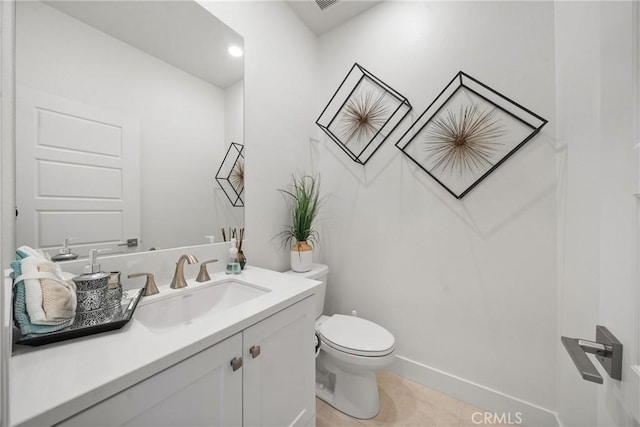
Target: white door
[602,274]
[279,368]
[620,207]
[77,174]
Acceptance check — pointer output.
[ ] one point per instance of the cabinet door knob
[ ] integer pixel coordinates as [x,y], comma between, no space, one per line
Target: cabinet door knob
[255,351]
[236,363]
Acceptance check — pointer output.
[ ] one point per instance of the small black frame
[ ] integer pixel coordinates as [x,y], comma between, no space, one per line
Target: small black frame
[227,176]
[464,96]
[357,89]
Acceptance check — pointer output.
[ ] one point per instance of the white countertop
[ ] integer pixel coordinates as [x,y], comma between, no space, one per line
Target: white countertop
[55,381]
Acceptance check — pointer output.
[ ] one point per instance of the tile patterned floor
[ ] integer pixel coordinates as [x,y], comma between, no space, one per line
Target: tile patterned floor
[404,403]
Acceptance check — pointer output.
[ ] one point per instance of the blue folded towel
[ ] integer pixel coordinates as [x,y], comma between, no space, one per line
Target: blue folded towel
[20,304]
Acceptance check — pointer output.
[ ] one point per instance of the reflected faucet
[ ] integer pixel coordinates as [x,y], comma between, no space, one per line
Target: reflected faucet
[178,277]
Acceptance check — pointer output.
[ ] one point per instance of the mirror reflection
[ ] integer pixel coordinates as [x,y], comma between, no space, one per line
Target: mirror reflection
[125,111]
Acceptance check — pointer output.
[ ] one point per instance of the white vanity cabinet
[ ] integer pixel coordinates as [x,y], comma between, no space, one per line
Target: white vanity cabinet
[271,384]
[279,368]
[202,390]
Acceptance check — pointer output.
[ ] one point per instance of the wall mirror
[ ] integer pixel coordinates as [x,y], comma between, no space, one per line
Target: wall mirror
[124,113]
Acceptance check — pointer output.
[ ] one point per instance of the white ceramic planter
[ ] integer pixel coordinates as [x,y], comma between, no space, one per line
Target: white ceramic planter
[301,261]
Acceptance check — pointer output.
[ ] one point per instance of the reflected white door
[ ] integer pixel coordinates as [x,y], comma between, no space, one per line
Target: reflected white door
[77,174]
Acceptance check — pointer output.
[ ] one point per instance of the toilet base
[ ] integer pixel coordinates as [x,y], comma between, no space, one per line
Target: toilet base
[364,406]
[354,393]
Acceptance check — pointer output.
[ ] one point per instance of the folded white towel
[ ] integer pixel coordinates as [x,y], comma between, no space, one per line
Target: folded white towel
[36,253]
[50,299]
[58,295]
[33,291]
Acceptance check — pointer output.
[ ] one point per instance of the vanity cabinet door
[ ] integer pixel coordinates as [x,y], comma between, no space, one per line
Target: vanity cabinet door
[202,390]
[279,368]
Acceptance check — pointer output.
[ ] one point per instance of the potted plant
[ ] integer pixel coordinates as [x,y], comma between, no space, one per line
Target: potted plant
[300,235]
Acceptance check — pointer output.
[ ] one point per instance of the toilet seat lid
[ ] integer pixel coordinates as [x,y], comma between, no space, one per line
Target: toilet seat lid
[356,336]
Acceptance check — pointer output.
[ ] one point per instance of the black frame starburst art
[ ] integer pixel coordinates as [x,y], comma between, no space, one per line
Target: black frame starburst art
[362,113]
[466,133]
[230,175]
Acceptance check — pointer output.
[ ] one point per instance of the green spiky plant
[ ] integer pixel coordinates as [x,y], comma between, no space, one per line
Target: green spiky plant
[304,199]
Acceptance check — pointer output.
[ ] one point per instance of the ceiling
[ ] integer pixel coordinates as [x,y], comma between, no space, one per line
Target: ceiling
[321,21]
[158,28]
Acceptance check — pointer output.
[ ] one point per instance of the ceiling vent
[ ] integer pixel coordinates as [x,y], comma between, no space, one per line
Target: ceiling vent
[323,4]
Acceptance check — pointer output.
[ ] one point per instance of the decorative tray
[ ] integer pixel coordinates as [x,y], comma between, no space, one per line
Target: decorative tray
[128,303]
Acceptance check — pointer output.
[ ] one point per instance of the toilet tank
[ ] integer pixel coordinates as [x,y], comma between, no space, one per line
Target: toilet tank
[318,272]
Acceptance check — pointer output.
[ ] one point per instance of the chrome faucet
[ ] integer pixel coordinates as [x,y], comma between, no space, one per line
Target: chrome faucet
[178,277]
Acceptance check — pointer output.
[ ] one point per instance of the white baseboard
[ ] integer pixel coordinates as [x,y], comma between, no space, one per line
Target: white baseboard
[483,397]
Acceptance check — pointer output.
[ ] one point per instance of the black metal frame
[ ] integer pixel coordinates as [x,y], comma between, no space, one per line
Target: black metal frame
[463,80]
[234,154]
[326,120]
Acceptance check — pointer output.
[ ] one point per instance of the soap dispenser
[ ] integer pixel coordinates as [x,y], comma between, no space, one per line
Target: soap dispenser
[91,287]
[233,264]
[65,253]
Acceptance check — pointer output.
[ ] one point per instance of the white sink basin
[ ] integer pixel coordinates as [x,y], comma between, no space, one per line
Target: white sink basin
[185,306]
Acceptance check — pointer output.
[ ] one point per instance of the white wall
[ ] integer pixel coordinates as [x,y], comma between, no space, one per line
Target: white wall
[234,113]
[181,116]
[226,214]
[7,196]
[467,287]
[281,79]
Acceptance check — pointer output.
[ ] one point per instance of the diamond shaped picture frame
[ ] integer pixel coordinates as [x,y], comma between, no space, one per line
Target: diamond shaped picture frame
[362,113]
[230,175]
[466,133]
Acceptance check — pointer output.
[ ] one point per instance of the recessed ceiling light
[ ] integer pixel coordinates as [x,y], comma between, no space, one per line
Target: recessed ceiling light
[235,51]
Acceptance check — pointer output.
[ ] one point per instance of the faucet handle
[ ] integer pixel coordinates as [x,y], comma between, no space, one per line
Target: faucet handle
[65,253]
[150,287]
[65,244]
[203,275]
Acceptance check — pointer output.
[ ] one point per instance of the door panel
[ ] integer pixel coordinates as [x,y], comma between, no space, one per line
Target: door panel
[279,378]
[202,390]
[597,53]
[66,131]
[618,224]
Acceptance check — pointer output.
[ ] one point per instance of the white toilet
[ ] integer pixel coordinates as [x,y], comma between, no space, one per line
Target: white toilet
[351,350]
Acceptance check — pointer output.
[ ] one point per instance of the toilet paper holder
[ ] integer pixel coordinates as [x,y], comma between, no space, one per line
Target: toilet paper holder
[606,348]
